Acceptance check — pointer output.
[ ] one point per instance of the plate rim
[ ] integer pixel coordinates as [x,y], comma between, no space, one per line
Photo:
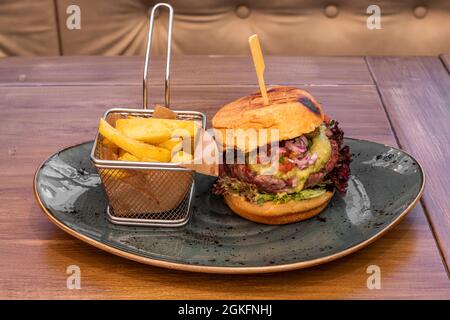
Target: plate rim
[224,269]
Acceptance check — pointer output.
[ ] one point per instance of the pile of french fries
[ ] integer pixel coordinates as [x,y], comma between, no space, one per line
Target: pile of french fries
[161,138]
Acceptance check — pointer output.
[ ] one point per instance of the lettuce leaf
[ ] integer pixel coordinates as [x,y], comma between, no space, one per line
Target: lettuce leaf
[285,197]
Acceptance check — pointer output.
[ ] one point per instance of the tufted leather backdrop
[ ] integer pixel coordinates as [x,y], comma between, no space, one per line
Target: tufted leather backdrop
[285,27]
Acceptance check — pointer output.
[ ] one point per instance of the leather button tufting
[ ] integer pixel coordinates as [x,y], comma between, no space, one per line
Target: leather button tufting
[420,12]
[331,11]
[242,11]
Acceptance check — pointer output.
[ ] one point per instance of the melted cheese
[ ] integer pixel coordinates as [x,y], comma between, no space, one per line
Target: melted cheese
[320,145]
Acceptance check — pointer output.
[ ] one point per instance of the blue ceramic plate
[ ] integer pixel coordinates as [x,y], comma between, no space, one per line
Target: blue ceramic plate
[385,184]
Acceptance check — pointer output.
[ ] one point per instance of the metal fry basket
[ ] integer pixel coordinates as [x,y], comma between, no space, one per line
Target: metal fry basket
[146,193]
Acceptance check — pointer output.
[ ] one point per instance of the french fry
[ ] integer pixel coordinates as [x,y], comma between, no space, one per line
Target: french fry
[149,127]
[112,118]
[128,157]
[106,142]
[138,149]
[182,157]
[109,150]
[173,144]
[153,133]
[161,112]
[108,153]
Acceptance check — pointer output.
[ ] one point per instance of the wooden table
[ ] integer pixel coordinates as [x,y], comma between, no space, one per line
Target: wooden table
[49,103]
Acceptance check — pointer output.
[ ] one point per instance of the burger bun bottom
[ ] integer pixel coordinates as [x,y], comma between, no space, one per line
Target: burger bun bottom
[278,213]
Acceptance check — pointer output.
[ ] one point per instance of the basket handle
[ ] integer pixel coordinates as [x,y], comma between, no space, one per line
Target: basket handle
[148,54]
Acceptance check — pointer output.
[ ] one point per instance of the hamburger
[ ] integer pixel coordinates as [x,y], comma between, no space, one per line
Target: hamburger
[312,162]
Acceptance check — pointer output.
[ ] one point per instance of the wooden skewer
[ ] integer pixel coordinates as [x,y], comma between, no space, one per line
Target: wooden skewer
[258,60]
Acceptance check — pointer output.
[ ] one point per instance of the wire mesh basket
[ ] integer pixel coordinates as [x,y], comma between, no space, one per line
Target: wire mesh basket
[146,193]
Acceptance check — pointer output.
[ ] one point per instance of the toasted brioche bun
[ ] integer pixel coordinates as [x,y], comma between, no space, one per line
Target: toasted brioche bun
[278,213]
[291,111]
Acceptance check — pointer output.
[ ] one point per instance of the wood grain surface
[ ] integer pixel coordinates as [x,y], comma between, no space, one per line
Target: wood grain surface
[446,61]
[416,94]
[53,110]
[190,70]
